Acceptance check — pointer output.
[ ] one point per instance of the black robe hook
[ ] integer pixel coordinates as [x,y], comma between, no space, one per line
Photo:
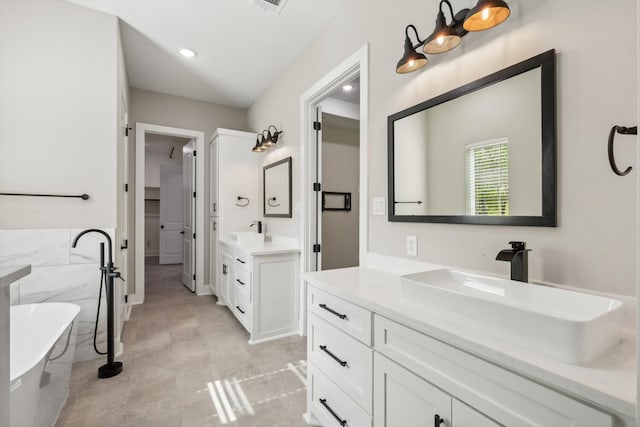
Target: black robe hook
[622,131]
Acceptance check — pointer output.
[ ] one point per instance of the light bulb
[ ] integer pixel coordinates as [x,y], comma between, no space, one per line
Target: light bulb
[485,13]
[440,40]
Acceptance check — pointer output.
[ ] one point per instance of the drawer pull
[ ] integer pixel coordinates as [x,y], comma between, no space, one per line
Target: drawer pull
[335,313]
[333,356]
[240,281]
[239,260]
[340,421]
[438,421]
[240,310]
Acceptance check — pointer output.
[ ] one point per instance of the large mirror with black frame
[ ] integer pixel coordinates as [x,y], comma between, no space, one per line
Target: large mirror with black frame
[483,153]
[277,189]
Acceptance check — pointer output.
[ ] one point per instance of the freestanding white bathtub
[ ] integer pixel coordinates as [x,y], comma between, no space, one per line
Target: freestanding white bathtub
[43,339]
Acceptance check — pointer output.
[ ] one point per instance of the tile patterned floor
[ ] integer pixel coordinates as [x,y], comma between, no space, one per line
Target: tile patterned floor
[187,363]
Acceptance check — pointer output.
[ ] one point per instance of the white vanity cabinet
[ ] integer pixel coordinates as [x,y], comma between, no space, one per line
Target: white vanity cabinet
[234,173]
[404,399]
[340,360]
[499,394]
[262,290]
[366,369]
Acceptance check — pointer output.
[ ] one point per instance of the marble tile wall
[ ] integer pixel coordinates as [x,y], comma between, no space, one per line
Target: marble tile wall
[60,273]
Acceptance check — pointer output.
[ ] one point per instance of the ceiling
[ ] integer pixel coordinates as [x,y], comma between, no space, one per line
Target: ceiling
[240,47]
[352,96]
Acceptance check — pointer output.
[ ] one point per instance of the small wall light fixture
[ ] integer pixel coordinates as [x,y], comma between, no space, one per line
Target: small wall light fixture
[484,15]
[262,142]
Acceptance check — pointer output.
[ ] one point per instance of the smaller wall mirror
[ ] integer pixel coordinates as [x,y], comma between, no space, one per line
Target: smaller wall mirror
[277,189]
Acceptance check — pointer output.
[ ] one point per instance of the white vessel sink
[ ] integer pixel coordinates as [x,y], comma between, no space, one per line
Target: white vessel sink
[248,238]
[570,326]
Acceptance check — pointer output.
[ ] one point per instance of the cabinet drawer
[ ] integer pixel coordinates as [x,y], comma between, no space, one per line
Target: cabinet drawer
[242,308]
[502,395]
[242,282]
[331,405]
[348,362]
[348,317]
[243,260]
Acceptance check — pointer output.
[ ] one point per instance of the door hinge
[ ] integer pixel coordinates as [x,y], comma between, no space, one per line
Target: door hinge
[215,226]
[194,194]
[126,299]
[316,248]
[194,235]
[317,126]
[126,130]
[125,244]
[194,277]
[126,188]
[317,186]
[194,153]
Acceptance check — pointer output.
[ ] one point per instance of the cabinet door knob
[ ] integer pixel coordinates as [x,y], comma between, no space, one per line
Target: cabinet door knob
[438,421]
[162,226]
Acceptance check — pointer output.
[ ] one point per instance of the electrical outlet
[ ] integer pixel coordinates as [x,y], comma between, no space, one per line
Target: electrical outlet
[412,245]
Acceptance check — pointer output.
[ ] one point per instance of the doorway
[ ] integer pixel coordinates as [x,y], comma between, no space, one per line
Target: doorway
[338,210]
[179,219]
[167,205]
[354,67]
[324,97]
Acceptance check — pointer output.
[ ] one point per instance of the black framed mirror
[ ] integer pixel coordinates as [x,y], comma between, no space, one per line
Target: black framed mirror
[276,178]
[484,153]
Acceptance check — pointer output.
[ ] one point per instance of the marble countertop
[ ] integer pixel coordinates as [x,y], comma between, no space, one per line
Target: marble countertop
[608,383]
[10,274]
[274,246]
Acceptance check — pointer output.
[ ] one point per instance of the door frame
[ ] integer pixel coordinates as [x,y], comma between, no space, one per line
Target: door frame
[356,64]
[141,130]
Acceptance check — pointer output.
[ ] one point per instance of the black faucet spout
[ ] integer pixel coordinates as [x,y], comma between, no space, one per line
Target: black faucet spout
[519,259]
[95,230]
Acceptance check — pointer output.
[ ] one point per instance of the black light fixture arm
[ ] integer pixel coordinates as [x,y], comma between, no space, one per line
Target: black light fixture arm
[450,8]
[457,19]
[415,31]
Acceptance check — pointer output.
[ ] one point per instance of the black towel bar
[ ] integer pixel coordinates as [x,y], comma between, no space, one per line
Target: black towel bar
[80,196]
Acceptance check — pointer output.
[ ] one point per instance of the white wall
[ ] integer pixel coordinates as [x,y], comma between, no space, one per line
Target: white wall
[340,173]
[593,246]
[59,114]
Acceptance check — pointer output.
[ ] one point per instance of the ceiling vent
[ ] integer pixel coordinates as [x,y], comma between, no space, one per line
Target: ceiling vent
[273,6]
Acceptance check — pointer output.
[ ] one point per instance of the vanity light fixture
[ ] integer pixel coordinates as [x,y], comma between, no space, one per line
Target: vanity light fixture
[484,15]
[262,142]
[258,148]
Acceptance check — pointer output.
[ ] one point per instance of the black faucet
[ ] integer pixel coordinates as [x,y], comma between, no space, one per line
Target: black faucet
[259,223]
[517,255]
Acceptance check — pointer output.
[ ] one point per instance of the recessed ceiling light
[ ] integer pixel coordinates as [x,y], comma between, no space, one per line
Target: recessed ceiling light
[347,87]
[189,53]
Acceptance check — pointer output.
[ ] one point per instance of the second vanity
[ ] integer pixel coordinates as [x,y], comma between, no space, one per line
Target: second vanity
[259,283]
[378,358]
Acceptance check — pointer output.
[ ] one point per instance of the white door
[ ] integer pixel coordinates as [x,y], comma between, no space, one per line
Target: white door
[189,192]
[171,211]
[318,193]
[122,239]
